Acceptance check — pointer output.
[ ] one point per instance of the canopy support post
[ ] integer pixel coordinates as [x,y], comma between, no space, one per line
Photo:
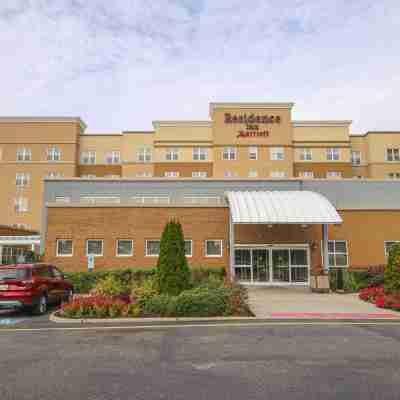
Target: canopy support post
[231,248]
[325,255]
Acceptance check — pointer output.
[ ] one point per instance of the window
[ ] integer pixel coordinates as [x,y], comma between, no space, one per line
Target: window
[337,253]
[54,175]
[112,176]
[277,153]
[333,174]
[392,155]
[253,153]
[306,174]
[53,154]
[200,153]
[63,199]
[22,179]
[88,157]
[94,248]
[113,157]
[151,199]
[332,154]
[230,174]
[213,248]
[388,245]
[393,175]
[124,248]
[188,248]
[278,174]
[356,157]
[144,174]
[88,176]
[144,154]
[199,174]
[229,153]
[100,199]
[171,174]
[171,154]
[253,173]
[64,248]
[24,154]
[202,200]
[305,154]
[152,248]
[21,204]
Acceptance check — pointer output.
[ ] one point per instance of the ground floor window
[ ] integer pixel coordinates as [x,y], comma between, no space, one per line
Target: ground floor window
[94,248]
[213,248]
[152,248]
[124,248]
[64,248]
[337,253]
[272,265]
[388,245]
[188,248]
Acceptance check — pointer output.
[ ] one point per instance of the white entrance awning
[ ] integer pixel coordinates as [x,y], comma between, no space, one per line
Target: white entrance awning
[281,207]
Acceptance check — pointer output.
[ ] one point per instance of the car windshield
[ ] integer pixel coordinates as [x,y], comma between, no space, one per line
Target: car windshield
[13,273]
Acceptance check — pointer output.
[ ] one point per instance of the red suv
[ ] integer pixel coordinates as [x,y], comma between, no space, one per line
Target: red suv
[32,286]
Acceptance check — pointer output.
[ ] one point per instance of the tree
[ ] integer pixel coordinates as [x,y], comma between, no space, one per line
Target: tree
[392,270]
[173,275]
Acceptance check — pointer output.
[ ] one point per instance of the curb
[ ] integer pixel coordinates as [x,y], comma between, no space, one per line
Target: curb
[220,320]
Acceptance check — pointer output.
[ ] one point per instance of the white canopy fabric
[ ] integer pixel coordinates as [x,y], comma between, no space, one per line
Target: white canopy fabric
[281,207]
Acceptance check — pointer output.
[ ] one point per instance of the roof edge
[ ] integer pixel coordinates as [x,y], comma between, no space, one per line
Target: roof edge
[44,119]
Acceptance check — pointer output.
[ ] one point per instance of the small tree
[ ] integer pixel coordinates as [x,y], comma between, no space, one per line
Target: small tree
[173,275]
[392,270]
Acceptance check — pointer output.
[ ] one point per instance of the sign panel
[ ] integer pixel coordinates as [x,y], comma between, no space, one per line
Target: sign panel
[90,261]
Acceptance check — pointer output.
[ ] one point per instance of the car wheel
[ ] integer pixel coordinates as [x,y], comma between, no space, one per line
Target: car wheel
[41,307]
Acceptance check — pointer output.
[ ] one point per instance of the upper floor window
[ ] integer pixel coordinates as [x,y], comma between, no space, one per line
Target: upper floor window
[253,173]
[332,154]
[144,154]
[151,199]
[144,174]
[22,179]
[53,154]
[333,174]
[305,154]
[199,174]
[393,175]
[54,175]
[392,154]
[171,174]
[172,154]
[229,153]
[24,154]
[88,157]
[278,174]
[63,199]
[306,174]
[356,157]
[200,153]
[113,157]
[277,153]
[21,204]
[253,153]
[201,199]
[101,199]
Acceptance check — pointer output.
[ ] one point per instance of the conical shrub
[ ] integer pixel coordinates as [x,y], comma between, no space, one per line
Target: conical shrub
[392,270]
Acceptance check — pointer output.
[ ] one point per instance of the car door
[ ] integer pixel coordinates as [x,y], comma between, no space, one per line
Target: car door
[62,287]
[46,283]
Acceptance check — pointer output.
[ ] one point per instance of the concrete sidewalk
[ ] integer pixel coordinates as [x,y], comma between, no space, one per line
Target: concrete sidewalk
[295,302]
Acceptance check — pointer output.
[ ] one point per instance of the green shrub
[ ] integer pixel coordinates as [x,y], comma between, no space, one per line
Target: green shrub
[143,291]
[392,270]
[173,275]
[112,286]
[201,275]
[158,305]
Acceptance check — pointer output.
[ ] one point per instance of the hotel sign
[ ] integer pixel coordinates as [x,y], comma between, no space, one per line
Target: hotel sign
[252,122]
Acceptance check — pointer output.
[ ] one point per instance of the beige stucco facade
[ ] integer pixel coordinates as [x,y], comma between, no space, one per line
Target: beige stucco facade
[240,140]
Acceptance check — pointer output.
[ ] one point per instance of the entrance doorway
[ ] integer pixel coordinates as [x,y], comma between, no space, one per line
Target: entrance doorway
[272,264]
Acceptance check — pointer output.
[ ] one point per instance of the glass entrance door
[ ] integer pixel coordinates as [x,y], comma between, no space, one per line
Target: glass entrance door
[280,265]
[260,265]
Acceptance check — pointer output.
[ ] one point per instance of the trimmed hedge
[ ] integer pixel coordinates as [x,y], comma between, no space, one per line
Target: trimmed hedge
[85,281]
[355,280]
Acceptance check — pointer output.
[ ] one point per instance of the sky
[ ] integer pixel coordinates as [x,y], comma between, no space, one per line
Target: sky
[121,64]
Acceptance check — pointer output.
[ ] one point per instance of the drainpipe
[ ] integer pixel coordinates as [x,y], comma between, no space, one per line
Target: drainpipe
[231,248]
[325,256]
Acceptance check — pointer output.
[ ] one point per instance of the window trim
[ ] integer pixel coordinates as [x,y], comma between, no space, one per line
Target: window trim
[393,151]
[251,151]
[95,240]
[144,152]
[175,174]
[24,201]
[337,175]
[353,159]
[274,153]
[282,174]
[88,154]
[302,176]
[213,255]
[65,255]
[197,153]
[302,154]
[25,181]
[145,247]
[198,173]
[116,248]
[24,151]
[229,151]
[330,154]
[51,152]
[172,153]
[191,248]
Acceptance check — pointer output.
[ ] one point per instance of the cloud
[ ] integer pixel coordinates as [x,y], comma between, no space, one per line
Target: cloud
[122,64]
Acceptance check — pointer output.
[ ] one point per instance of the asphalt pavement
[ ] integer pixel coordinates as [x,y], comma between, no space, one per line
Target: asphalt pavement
[283,361]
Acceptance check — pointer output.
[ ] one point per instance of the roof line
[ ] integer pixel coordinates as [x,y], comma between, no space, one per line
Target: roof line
[44,119]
